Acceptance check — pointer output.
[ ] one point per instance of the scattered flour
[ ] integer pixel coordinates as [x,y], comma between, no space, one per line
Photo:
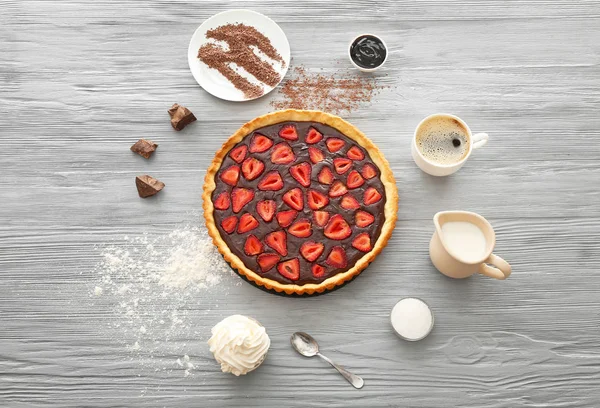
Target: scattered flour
[186,257]
[191,263]
[158,286]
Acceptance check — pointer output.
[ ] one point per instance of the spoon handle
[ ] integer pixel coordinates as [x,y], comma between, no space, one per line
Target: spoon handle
[353,379]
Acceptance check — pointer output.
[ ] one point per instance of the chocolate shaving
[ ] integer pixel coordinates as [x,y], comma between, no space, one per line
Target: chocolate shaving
[241,39]
[144,148]
[180,116]
[148,186]
[330,93]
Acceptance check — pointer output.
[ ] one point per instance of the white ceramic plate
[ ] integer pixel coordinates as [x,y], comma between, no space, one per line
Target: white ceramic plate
[210,79]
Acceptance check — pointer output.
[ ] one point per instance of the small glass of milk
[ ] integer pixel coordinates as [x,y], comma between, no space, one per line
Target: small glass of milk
[412,319]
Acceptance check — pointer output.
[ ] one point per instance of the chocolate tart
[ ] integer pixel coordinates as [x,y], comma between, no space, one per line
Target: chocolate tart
[299,202]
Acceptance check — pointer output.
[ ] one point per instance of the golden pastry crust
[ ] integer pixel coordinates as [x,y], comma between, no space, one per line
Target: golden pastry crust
[387,178]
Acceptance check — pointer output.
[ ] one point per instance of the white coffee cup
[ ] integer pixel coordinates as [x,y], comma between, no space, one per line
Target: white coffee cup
[438,169]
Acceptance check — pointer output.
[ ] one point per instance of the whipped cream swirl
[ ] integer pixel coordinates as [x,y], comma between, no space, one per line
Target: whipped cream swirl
[239,344]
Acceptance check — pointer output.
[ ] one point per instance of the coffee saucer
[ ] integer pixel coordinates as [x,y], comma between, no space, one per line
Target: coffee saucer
[212,80]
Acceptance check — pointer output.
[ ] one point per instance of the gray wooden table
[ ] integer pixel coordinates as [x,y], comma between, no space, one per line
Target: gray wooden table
[82,80]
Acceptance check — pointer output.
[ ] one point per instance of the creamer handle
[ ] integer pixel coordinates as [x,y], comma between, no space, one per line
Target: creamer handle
[500,269]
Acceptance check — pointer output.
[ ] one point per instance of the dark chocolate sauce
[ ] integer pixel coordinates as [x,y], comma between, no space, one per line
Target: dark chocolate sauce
[368,52]
[236,241]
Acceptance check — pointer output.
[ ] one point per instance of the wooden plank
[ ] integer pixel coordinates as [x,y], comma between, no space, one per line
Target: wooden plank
[81,81]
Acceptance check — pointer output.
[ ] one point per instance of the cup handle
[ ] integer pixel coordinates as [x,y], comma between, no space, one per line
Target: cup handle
[500,269]
[479,140]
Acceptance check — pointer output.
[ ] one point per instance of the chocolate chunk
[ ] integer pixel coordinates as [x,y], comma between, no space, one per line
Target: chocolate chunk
[180,116]
[144,148]
[148,186]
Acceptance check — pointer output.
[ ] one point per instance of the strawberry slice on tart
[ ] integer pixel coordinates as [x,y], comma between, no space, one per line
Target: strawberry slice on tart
[240,197]
[337,257]
[271,181]
[247,223]
[317,200]
[285,218]
[334,144]
[260,143]
[337,189]
[354,153]
[239,153]
[321,218]
[278,241]
[354,180]
[348,202]
[337,228]
[294,199]
[341,165]
[252,168]
[311,250]
[253,246]
[313,136]
[368,171]
[315,155]
[267,261]
[301,173]
[301,228]
[371,196]
[231,175]
[318,271]
[222,202]
[325,176]
[290,269]
[228,224]
[266,209]
[288,132]
[282,154]
[362,242]
[363,219]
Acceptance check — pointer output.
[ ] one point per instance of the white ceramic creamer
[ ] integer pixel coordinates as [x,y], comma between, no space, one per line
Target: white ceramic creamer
[462,245]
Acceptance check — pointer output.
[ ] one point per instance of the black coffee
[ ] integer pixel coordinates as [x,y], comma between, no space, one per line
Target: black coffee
[443,140]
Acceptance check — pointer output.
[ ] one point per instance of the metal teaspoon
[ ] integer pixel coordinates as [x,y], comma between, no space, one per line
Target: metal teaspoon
[308,347]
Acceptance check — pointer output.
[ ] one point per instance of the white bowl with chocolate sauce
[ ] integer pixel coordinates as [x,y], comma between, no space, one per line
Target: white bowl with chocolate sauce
[368,52]
[238,55]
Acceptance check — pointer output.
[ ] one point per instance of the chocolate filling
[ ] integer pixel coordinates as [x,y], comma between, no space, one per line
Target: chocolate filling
[236,241]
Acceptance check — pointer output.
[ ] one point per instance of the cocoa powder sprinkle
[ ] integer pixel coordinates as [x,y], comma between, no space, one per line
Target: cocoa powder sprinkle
[330,93]
[241,39]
